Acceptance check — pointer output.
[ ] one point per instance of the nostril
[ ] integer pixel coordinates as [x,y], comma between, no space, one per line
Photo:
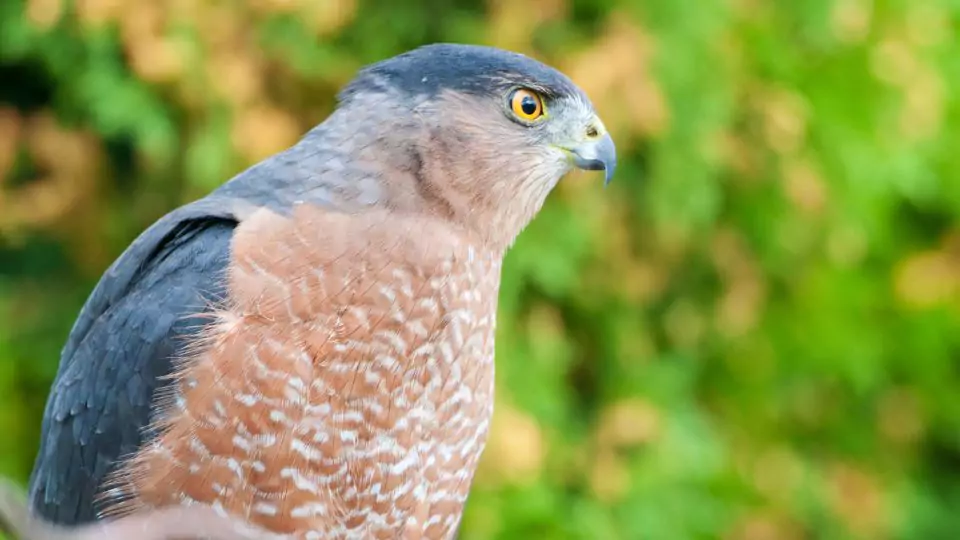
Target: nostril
[592,131]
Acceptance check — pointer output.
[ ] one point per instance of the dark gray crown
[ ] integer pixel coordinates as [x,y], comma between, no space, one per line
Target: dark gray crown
[471,69]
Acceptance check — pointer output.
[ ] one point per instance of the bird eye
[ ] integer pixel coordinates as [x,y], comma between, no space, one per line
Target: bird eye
[526,104]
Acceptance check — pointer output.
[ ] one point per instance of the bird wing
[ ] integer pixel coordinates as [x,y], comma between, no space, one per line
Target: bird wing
[139,318]
[136,320]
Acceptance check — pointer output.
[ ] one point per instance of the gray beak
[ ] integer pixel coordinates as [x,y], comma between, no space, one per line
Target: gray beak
[597,155]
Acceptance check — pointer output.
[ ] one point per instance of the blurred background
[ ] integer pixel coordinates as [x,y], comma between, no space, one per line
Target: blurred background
[752,334]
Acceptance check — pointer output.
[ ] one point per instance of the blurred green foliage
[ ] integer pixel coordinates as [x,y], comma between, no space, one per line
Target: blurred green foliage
[752,334]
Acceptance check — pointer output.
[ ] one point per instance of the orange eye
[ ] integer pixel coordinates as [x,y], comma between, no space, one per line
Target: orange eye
[526,104]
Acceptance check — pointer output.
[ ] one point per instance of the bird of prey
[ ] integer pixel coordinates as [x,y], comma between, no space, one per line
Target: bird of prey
[308,350]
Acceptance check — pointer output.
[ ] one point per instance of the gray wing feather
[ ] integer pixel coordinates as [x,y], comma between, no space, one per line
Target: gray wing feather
[138,318]
[135,322]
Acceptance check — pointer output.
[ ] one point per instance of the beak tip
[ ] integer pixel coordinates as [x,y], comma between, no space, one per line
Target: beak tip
[609,153]
[609,167]
[598,155]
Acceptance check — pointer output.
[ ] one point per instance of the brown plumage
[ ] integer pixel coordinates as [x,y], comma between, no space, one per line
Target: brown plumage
[344,387]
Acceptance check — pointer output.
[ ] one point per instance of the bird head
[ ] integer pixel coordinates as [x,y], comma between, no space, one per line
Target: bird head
[485,133]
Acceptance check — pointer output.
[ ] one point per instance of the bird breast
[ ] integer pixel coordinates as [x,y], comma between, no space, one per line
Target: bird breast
[344,390]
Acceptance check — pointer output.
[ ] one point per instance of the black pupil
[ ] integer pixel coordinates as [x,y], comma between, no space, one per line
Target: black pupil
[528,105]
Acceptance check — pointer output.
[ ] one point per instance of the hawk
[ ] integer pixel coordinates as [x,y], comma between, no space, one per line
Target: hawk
[308,351]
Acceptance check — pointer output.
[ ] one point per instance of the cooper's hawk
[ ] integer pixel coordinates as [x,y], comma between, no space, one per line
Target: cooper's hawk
[345,293]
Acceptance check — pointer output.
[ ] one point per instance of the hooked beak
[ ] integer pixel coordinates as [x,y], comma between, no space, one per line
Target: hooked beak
[599,154]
